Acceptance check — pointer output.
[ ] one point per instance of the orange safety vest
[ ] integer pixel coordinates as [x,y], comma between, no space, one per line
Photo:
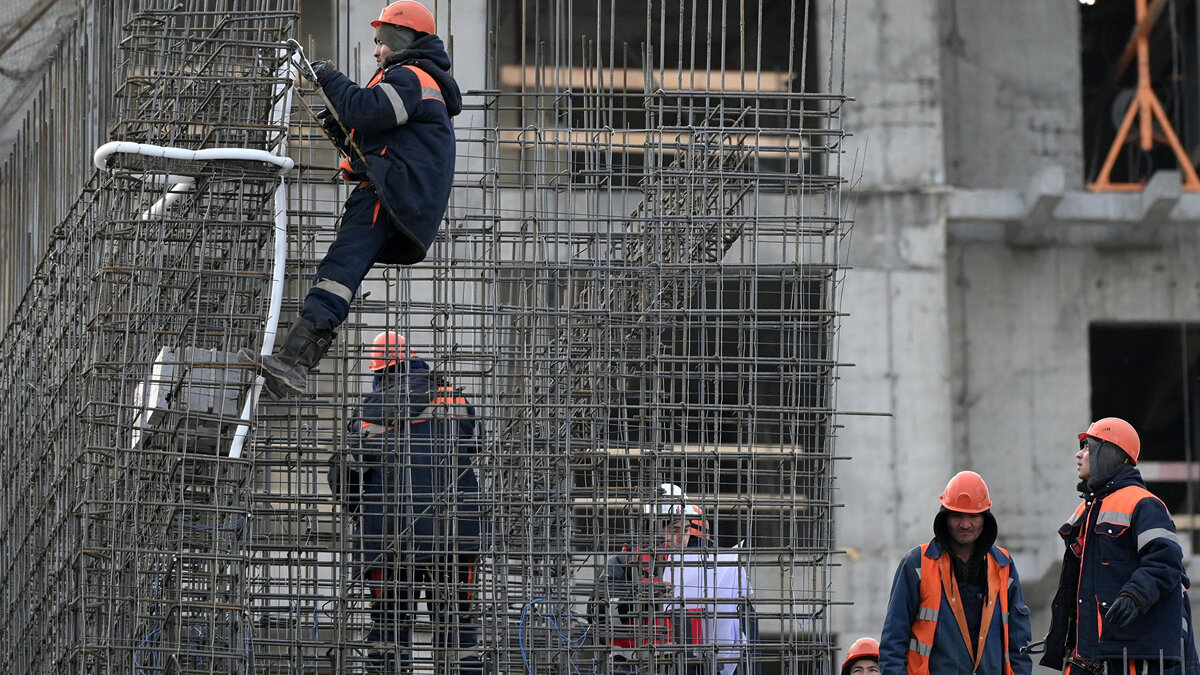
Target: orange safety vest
[937,578]
[652,630]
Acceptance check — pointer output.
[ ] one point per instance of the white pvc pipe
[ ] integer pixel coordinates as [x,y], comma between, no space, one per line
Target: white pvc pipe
[104,152]
[177,191]
[280,115]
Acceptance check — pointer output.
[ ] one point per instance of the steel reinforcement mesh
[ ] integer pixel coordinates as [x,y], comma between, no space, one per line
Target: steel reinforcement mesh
[635,286]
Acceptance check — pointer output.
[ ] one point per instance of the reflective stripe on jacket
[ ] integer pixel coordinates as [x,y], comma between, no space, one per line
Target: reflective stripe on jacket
[429,91]
[402,124]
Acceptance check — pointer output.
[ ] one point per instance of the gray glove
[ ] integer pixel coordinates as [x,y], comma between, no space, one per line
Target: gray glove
[319,70]
[1122,611]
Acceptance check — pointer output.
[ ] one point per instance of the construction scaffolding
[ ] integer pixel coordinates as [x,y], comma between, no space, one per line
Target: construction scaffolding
[636,285]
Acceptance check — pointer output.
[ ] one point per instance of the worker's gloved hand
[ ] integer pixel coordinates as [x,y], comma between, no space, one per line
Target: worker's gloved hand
[333,476]
[1122,611]
[331,126]
[319,70]
[655,589]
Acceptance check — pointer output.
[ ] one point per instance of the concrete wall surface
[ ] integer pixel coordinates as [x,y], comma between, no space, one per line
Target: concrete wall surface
[978,264]
[892,70]
[1011,90]
[895,334]
[1019,327]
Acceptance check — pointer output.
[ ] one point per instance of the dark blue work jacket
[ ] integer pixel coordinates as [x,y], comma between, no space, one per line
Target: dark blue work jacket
[1120,539]
[949,653]
[401,122]
[419,493]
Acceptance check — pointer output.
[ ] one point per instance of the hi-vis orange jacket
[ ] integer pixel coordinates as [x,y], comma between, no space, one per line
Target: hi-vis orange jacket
[925,631]
[1121,539]
[402,123]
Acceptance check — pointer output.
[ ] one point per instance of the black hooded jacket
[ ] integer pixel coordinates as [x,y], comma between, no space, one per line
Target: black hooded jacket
[971,575]
[401,122]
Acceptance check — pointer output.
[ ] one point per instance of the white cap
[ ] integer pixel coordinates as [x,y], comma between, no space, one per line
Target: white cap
[671,500]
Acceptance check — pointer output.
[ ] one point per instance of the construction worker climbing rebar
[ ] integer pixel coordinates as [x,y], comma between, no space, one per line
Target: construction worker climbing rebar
[399,143]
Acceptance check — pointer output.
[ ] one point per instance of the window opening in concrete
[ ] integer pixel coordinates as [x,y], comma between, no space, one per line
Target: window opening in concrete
[1149,375]
[630,89]
[1109,67]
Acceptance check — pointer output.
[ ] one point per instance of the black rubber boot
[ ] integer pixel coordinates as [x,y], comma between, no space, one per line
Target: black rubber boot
[286,371]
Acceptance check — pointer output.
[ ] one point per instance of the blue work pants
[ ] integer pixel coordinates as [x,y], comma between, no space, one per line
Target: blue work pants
[364,232]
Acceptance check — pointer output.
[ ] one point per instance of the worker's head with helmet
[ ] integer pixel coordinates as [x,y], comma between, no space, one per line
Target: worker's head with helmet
[399,25]
[965,522]
[680,523]
[862,658]
[1105,448]
[388,352]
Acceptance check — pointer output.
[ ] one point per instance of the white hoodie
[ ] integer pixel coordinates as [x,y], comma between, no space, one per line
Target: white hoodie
[711,587]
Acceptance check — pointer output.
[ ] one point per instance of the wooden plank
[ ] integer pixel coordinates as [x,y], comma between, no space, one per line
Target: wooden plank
[592,80]
[1169,471]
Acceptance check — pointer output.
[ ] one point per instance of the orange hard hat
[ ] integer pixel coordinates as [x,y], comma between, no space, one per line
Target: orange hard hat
[386,349]
[1118,432]
[409,14]
[966,493]
[863,648]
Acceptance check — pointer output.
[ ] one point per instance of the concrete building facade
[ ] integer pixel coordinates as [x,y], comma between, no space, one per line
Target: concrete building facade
[982,270]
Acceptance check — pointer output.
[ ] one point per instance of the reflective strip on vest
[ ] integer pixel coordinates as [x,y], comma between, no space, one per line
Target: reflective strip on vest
[923,650]
[429,86]
[1004,625]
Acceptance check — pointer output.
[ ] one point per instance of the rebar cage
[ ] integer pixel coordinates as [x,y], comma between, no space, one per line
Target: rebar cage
[628,322]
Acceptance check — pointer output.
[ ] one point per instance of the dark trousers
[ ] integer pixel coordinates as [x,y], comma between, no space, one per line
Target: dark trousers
[364,231]
[1121,667]
[443,584]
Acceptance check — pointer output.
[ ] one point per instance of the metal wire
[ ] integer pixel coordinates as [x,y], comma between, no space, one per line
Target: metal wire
[636,284]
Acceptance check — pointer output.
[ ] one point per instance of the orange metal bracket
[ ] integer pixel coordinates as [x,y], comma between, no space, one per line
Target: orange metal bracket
[1147,109]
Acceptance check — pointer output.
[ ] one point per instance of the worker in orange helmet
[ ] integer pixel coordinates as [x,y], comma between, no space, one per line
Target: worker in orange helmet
[956,604]
[1122,602]
[401,124]
[862,658]
[407,475]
